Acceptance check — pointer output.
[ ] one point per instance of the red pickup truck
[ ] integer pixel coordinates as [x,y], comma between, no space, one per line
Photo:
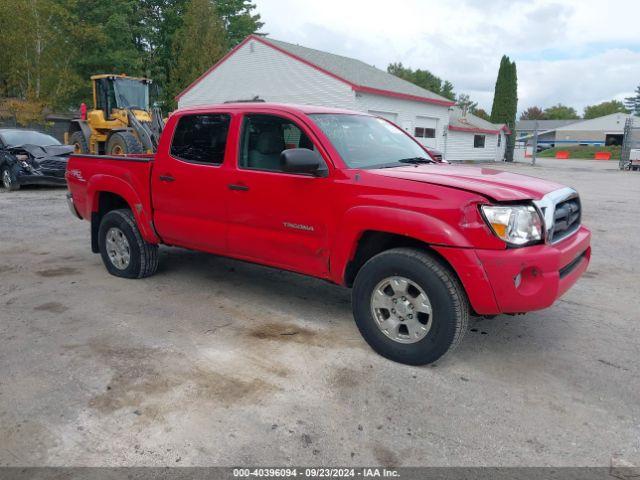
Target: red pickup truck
[346,197]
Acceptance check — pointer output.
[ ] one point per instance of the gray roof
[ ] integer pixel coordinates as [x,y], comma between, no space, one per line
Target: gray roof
[355,71]
[457,119]
[526,125]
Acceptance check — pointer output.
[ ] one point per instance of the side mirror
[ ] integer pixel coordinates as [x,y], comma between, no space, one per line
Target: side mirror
[303,160]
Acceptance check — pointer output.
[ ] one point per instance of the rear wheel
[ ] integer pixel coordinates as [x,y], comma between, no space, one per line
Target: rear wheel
[409,307]
[124,252]
[79,142]
[9,181]
[122,143]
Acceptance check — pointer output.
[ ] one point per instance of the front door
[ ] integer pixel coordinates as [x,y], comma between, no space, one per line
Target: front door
[278,218]
[189,183]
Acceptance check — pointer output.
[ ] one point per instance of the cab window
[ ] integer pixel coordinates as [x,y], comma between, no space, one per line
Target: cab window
[201,138]
[264,137]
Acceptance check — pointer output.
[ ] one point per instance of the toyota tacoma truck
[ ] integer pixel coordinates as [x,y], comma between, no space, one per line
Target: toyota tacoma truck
[346,197]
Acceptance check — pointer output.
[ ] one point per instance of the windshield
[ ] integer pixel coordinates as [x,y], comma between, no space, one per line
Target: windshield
[131,93]
[368,142]
[15,138]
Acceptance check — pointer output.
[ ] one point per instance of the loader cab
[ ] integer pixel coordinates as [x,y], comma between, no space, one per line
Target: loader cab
[120,92]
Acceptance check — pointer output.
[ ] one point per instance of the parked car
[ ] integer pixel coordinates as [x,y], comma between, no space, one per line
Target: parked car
[346,197]
[31,157]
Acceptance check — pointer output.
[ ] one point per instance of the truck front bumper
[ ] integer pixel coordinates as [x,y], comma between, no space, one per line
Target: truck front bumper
[518,280]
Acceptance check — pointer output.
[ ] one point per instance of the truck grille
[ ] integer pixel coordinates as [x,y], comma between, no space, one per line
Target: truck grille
[566,219]
[562,212]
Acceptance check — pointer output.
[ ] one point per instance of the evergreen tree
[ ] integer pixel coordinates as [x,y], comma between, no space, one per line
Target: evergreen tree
[238,19]
[199,43]
[633,103]
[505,101]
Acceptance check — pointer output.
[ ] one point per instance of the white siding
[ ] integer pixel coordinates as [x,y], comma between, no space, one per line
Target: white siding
[460,147]
[408,113]
[256,69]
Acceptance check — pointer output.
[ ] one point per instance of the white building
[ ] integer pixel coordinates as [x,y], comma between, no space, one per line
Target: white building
[276,71]
[473,138]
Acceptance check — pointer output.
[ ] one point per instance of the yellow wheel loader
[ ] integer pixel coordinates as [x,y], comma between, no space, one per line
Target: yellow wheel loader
[121,120]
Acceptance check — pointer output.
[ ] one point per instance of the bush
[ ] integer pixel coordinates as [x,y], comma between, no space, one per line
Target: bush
[581,151]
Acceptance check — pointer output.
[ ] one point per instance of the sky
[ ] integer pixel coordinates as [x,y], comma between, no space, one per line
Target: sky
[575,52]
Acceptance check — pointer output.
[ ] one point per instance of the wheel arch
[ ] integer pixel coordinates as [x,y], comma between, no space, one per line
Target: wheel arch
[372,242]
[393,226]
[110,193]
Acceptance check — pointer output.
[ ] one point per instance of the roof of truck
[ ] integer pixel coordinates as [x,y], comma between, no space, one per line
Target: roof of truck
[258,106]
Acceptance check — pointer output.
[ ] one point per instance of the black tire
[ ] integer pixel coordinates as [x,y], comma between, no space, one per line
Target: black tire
[79,142]
[143,255]
[8,179]
[450,307]
[122,143]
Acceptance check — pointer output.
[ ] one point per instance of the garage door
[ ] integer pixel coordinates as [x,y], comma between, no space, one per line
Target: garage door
[425,131]
[392,117]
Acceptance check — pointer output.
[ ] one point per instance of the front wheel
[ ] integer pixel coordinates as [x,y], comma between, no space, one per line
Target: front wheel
[409,307]
[124,252]
[9,181]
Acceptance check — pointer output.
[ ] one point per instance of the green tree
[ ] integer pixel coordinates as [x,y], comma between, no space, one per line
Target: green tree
[198,43]
[604,108]
[533,113]
[238,19]
[424,79]
[466,104]
[37,48]
[561,112]
[482,113]
[110,37]
[633,103]
[505,101]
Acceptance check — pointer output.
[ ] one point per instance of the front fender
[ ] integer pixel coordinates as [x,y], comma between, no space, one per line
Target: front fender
[141,209]
[419,226]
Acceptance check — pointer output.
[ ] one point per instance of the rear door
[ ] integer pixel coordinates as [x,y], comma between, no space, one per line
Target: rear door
[278,218]
[189,182]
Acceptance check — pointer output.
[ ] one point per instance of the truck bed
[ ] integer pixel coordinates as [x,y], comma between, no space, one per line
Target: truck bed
[127,175]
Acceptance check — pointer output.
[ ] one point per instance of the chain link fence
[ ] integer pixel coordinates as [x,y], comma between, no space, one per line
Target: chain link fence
[630,153]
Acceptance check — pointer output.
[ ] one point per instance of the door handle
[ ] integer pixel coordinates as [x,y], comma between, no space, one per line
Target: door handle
[166,178]
[241,188]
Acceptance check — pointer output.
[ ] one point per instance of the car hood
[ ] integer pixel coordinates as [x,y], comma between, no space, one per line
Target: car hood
[492,183]
[39,152]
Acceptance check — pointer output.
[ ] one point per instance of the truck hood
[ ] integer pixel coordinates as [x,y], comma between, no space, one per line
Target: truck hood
[495,184]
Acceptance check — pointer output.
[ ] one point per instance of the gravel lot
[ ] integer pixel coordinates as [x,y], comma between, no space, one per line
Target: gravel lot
[218,362]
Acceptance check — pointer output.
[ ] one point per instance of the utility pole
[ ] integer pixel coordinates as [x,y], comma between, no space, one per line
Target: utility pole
[535,143]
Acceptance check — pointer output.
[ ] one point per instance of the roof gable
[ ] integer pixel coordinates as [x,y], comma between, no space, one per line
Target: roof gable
[471,123]
[359,75]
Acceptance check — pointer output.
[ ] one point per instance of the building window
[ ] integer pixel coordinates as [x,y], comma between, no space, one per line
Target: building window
[201,138]
[499,139]
[478,141]
[421,132]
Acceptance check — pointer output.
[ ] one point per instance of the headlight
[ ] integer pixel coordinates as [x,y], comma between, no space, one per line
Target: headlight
[515,224]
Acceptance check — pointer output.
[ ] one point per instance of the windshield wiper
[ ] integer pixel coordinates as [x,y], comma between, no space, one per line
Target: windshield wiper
[416,160]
